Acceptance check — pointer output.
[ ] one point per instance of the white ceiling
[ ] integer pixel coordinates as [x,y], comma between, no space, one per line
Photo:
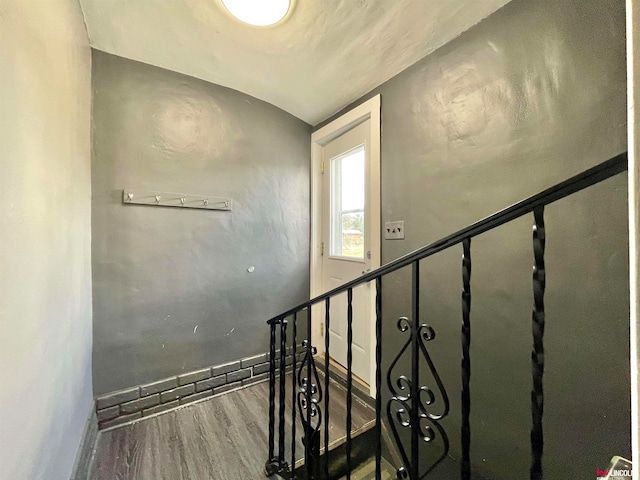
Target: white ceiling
[325,55]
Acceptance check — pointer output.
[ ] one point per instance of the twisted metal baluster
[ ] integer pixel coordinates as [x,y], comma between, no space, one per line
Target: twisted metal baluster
[537,355]
[327,319]
[283,366]
[349,375]
[378,377]
[293,396]
[465,467]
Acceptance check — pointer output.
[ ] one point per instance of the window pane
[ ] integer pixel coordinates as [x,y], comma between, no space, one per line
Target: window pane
[352,167]
[353,234]
[347,204]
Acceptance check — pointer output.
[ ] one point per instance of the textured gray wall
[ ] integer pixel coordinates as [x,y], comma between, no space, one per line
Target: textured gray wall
[171,287]
[527,98]
[45,237]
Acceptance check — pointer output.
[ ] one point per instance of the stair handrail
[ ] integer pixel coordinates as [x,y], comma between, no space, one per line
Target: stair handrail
[604,170]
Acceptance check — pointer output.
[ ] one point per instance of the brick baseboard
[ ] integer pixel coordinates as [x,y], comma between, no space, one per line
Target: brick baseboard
[119,407]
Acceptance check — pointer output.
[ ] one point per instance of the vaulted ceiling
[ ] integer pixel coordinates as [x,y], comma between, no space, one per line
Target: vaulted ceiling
[325,55]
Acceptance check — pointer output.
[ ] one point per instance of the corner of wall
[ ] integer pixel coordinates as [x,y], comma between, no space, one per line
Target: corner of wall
[86,449]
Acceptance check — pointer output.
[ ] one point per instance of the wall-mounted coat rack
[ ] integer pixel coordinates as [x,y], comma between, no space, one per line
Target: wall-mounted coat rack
[164,199]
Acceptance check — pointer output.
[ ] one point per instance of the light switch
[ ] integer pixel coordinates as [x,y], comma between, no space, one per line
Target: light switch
[394,230]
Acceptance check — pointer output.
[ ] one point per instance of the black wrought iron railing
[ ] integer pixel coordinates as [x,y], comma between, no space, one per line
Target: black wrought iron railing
[409,410]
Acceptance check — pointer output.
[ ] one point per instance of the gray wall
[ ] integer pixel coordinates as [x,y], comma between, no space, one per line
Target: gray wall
[527,98]
[45,261]
[171,288]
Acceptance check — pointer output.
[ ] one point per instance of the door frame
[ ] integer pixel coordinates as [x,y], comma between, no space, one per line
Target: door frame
[367,110]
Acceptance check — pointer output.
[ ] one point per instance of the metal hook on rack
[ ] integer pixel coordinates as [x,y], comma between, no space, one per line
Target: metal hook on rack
[164,199]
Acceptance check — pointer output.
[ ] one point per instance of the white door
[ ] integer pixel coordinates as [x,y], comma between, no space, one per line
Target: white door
[346,238]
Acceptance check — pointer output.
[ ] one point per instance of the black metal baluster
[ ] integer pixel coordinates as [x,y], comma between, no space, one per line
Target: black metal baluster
[378,377]
[537,355]
[293,395]
[308,402]
[349,375]
[283,367]
[465,467]
[308,446]
[327,319]
[415,372]
[271,466]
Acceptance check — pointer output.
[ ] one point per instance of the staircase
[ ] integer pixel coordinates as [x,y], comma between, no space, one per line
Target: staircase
[415,399]
[367,471]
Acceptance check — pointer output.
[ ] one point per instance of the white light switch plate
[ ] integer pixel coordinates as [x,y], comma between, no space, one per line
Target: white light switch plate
[394,230]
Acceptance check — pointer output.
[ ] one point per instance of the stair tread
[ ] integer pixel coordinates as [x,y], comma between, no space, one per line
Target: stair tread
[367,471]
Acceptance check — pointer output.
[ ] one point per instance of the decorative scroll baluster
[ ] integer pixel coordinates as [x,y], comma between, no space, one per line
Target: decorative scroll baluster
[309,398]
[293,395]
[537,355]
[349,375]
[272,464]
[327,320]
[410,403]
[465,467]
[283,367]
[378,377]
[309,434]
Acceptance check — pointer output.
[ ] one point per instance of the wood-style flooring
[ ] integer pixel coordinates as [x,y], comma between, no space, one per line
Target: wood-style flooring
[222,438]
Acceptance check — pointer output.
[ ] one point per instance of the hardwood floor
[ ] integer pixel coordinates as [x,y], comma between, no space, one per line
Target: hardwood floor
[222,438]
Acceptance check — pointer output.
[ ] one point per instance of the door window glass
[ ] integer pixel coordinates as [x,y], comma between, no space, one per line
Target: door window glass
[347,204]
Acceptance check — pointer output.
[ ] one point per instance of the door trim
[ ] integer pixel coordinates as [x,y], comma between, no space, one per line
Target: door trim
[367,110]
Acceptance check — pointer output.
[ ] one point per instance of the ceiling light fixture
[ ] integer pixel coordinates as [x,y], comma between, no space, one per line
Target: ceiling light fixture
[260,13]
